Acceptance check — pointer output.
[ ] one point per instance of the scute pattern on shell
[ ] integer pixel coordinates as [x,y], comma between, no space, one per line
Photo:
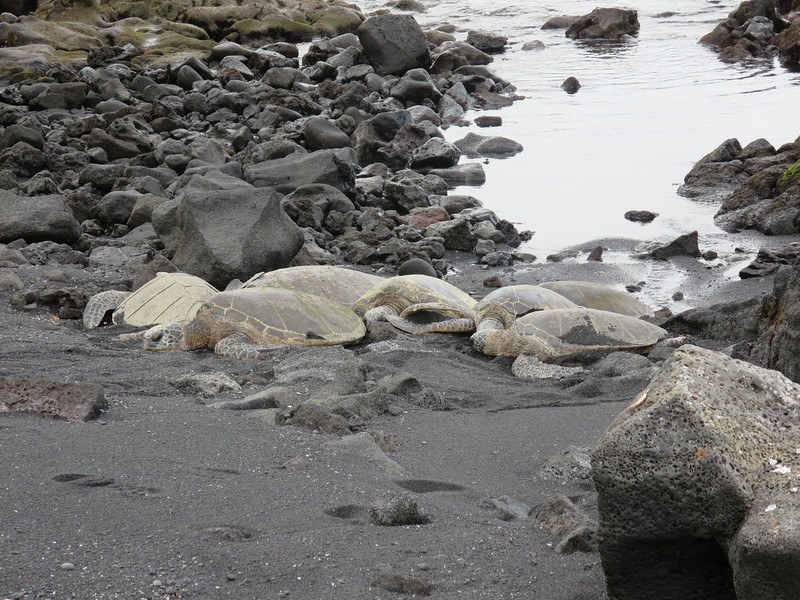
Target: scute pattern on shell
[334,283]
[279,316]
[167,298]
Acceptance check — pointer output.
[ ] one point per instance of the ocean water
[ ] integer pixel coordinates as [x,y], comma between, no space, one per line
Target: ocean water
[647,111]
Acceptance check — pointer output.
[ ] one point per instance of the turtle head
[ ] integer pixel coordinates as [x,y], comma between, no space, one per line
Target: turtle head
[495,342]
[164,337]
[479,340]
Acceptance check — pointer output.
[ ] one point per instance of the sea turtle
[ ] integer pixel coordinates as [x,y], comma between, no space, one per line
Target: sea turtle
[597,295]
[441,306]
[548,334]
[334,283]
[498,309]
[167,298]
[245,323]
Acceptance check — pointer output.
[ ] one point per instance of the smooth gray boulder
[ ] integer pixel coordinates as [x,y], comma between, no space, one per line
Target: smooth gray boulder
[321,134]
[686,475]
[474,145]
[37,219]
[393,44]
[229,234]
[336,168]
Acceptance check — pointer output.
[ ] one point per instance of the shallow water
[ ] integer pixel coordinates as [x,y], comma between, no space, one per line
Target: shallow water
[648,110]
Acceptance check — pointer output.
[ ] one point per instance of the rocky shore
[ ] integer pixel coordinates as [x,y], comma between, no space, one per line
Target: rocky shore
[142,137]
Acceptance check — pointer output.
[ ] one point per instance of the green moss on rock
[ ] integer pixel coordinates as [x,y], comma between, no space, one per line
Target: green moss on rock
[273,28]
[789,178]
[335,20]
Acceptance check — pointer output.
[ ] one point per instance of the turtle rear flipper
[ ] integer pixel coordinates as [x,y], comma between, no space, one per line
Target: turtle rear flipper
[99,305]
[239,346]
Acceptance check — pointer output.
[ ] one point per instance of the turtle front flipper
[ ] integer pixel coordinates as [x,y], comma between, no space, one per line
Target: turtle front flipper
[446,325]
[99,305]
[529,367]
[241,347]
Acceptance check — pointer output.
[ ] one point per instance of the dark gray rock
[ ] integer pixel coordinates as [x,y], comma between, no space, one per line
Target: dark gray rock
[640,216]
[36,219]
[231,234]
[393,44]
[571,85]
[737,320]
[604,23]
[336,168]
[321,134]
[778,346]
[21,133]
[436,153]
[115,207]
[456,233]
[684,245]
[691,471]
[560,22]
[466,174]
[486,41]
[417,266]
[474,145]
[768,261]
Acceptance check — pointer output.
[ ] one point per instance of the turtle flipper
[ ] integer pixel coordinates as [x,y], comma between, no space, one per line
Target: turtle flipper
[529,367]
[448,325]
[241,347]
[99,304]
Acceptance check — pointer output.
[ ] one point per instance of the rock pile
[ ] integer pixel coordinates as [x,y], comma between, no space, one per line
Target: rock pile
[758,29]
[757,185]
[229,159]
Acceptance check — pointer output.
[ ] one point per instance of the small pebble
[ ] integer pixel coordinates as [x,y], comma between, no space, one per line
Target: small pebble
[677,296]
[67,566]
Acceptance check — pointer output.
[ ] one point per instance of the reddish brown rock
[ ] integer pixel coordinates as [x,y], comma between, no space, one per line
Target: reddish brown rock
[70,401]
[427,215]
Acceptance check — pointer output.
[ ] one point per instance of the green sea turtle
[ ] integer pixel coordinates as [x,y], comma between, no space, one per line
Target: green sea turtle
[245,323]
[549,334]
[334,283]
[602,297]
[167,298]
[418,304]
[498,309]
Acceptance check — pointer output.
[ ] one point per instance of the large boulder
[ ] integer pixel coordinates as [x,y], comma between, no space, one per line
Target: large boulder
[229,234]
[605,23]
[695,484]
[393,44]
[336,168]
[37,219]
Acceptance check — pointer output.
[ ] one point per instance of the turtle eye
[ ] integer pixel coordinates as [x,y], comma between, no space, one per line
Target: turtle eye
[157,336]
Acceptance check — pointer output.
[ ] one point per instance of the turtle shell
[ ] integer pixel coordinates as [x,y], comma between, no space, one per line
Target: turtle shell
[168,298]
[331,282]
[415,289]
[599,296]
[522,299]
[588,327]
[280,316]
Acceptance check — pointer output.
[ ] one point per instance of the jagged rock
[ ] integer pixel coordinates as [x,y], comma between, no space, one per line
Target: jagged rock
[689,476]
[487,42]
[684,245]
